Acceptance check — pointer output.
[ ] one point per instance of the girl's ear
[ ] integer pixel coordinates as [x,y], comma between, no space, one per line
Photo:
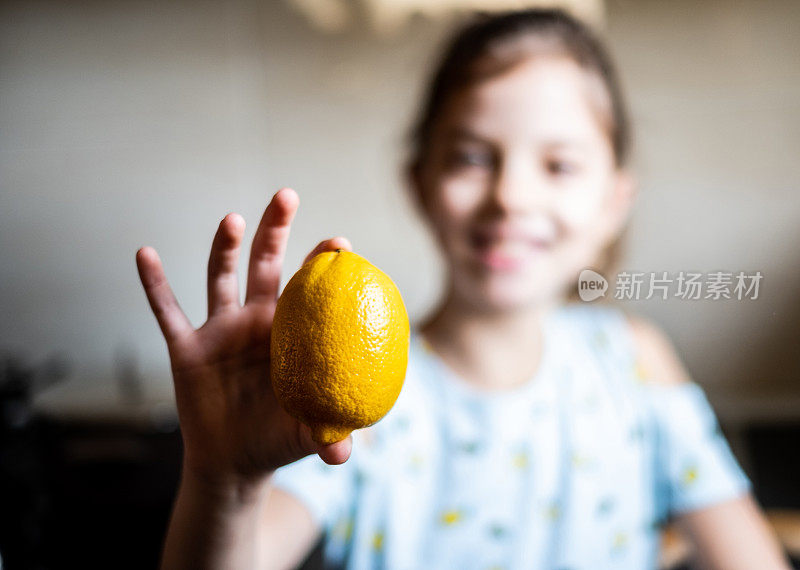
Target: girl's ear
[620,202]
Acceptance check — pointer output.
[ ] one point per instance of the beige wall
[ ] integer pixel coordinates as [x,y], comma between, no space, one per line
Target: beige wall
[132,123]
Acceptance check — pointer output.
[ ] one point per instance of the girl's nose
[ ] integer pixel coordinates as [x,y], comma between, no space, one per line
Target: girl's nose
[516,188]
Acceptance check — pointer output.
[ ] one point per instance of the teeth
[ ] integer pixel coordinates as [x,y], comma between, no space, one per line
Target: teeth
[510,248]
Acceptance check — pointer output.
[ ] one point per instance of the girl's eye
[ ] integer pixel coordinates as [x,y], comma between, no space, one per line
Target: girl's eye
[471,159]
[557,167]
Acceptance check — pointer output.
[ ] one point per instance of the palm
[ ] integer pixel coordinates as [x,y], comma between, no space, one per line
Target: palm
[230,420]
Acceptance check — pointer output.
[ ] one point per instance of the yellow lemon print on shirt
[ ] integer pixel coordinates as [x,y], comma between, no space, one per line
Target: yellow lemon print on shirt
[580,461]
[640,372]
[620,541]
[521,460]
[553,512]
[416,461]
[689,475]
[343,529]
[451,517]
[377,541]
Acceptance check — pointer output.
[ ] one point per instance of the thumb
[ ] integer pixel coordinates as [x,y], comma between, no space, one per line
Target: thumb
[333,454]
[336,453]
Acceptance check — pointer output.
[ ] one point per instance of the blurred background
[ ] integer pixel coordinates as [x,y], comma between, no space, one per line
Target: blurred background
[133,122]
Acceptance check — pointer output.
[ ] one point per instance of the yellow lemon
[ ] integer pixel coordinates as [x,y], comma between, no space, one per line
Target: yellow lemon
[339,345]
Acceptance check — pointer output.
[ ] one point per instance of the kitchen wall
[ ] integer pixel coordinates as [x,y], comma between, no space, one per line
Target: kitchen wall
[127,123]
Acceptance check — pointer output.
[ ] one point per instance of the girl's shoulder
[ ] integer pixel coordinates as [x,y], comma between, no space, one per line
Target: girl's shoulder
[624,340]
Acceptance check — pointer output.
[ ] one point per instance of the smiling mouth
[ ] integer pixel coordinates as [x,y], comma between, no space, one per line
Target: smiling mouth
[507,251]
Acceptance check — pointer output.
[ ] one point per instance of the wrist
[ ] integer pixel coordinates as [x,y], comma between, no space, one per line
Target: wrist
[226,489]
[216,521]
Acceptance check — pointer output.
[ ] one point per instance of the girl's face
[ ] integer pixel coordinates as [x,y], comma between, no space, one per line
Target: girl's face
[521,185]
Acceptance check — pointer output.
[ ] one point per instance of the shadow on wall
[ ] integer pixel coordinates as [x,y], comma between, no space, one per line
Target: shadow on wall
[775,369]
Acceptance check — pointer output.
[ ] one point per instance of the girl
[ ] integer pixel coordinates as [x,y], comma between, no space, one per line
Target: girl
[530,433]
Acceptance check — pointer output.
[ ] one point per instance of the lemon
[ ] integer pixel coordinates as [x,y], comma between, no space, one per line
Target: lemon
[339,345]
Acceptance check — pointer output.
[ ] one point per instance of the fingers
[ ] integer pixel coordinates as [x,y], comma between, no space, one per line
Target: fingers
[269,246]
[170,317]
[329,245]
[223,285]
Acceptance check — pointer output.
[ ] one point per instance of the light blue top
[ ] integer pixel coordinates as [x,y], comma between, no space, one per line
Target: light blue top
[574,469]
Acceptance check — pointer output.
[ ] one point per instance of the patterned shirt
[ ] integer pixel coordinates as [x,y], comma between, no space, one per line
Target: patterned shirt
[576,468]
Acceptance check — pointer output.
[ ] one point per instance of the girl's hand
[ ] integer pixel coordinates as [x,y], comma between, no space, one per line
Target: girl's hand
[233,429]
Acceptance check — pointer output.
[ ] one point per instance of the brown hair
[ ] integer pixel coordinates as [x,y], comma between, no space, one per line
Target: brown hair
[491,44]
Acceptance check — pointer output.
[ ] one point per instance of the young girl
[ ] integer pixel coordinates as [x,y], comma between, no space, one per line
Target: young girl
[530,433]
